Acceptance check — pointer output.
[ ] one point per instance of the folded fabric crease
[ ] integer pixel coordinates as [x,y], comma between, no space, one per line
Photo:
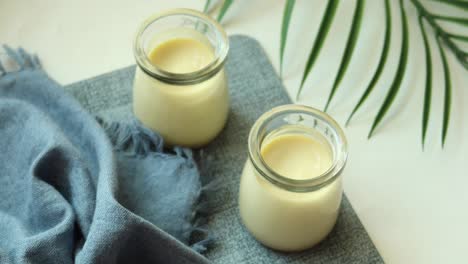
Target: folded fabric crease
[75,188]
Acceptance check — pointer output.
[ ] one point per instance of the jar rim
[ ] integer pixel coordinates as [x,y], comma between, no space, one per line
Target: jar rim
[296,185]
[206,72]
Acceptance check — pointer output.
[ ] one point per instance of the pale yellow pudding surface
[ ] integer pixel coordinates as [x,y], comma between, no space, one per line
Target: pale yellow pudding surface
[297,156]
[181,55]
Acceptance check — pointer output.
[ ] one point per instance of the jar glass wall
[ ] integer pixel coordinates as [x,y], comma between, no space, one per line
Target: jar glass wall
[180,88]
[296,208]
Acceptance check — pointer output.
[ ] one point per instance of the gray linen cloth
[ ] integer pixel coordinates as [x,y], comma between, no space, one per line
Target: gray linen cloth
[254,88]
[73,190]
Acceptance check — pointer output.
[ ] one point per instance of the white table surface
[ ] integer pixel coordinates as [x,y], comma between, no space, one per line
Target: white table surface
[413,203]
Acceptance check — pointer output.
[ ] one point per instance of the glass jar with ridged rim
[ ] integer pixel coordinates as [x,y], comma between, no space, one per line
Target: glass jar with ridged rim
[291,186]
[180,88]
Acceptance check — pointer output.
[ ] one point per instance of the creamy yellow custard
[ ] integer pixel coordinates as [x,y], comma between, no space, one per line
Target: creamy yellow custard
[184,114]
[283,219]
[181,55]
[297,156]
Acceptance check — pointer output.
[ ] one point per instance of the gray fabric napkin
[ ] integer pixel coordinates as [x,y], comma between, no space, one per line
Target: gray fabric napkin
[73,190]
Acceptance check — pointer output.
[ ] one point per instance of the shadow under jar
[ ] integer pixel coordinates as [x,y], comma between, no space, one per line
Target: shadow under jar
[291,187]
[180,88]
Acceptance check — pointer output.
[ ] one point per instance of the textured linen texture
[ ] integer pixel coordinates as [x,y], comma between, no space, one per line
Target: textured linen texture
[254,88]
[68,194]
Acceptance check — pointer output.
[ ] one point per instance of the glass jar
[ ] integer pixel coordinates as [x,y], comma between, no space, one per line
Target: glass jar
[285,213]
[187,108]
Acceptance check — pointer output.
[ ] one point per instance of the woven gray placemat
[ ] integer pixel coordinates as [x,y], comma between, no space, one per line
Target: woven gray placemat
[254,89]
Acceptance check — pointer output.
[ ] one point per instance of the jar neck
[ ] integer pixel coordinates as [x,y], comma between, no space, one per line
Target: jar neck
[304,120]
[173,20]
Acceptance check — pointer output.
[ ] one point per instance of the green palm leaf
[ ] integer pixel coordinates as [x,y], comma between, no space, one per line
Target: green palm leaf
[446,37]
[351,43]
[288,8]
[319,40]
[457,3]
[458,20]
[383,59]
[393,91]
[448,93]
[458,37]
[224,8]
[207,6]
[428,90]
